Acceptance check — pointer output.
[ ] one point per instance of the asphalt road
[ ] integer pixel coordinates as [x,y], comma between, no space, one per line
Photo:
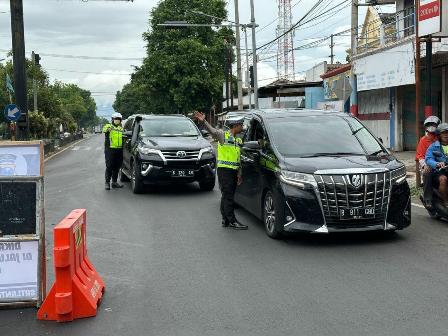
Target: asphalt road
[170,269]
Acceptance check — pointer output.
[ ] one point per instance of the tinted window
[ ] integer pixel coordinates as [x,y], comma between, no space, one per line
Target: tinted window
[128,125]
[168,127]
[307,136]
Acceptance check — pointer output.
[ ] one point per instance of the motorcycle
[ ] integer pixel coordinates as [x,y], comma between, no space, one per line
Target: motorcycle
[436,208]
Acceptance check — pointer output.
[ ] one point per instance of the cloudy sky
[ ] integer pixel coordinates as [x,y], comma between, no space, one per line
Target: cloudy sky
[110,34]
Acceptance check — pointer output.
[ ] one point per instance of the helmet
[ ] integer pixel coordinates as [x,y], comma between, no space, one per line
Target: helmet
[431,124]
[442,128]
[116,116]
[235,121]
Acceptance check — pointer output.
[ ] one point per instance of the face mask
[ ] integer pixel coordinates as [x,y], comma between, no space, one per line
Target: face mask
[117,122]
[431,129]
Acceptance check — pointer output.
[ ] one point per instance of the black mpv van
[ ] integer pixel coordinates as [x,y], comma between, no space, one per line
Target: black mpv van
[320,172]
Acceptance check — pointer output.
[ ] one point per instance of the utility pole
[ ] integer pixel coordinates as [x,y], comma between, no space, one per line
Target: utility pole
[332,48]
[428,100]
[247,65]
[36,64]
[18,49]
[254,52]
[418,179]
[227,75]
[354,46]
[238,58]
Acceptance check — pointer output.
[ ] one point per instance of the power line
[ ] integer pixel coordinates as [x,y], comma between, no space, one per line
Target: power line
[103,58]
[93,73]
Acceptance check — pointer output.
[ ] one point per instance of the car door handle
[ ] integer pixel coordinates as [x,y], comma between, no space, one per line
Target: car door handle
[246,159]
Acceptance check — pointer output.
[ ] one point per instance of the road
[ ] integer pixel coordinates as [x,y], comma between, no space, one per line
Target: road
[171,269]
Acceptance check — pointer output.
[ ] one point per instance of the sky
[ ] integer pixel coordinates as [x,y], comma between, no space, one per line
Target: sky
[113,29]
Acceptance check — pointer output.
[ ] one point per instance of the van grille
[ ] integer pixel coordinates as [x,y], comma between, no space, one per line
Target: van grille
[354,191]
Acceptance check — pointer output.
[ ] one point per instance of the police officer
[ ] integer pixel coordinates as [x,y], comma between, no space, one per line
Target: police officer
[113,150]
[229,172]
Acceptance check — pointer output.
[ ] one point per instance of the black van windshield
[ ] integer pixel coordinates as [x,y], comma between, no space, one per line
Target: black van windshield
[322,135]
[168,127]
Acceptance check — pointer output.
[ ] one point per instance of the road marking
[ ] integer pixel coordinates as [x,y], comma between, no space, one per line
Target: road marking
[418,205]
[99,148]
[75,148]
[86,148]
[65,149]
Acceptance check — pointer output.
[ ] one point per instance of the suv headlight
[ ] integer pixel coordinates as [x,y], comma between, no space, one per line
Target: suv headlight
[398,176]
[148,151]
[297,179]
[206,153]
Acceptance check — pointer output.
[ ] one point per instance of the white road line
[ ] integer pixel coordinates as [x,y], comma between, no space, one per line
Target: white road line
[418,205]
[86,148]
[75,148]
[99,148]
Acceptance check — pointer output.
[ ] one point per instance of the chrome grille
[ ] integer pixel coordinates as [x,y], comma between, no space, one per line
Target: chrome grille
[338,191]
[186,155]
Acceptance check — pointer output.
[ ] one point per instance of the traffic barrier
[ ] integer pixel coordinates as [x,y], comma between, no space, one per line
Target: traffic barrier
[78,288]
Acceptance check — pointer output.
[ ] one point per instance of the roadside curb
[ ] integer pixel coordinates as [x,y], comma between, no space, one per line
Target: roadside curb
[65,148]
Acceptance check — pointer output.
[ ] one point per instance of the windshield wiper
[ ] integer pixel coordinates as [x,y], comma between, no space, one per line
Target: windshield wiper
[378,152]
[354,132]
[331,154]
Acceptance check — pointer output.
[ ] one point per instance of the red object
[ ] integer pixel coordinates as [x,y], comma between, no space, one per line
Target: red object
[429,11]
[354,110]
[423,146]
[78,288]
[428,111]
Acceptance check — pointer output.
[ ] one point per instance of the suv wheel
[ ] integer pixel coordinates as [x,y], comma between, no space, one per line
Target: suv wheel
[136,179]
[270,216]
[123,177]
[207,185]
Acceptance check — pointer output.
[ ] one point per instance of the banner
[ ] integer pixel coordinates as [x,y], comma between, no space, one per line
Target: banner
[429,17]
[18,271]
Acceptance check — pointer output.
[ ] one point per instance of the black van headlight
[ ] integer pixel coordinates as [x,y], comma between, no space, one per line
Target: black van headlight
[398,176]
[297,179]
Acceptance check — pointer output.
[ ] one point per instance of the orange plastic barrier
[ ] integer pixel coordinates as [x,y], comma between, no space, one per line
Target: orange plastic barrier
[78,288]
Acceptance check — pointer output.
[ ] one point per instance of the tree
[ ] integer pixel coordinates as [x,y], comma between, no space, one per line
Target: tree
[184,68]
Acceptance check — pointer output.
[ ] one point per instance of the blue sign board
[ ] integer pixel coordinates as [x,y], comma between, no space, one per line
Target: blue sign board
[12,112]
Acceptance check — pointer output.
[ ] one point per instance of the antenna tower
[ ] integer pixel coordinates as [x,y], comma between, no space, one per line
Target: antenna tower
[285,50]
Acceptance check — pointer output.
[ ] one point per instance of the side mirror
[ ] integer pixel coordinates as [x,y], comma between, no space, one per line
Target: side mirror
[251,146]
[381,140]
[127,134]
[205,133]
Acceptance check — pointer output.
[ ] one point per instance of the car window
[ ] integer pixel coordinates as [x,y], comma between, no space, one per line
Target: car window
[128,125]
[314,135]
[168,127]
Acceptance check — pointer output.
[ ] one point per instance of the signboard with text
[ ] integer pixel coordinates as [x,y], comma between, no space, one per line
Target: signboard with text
[429,17]
[18,271]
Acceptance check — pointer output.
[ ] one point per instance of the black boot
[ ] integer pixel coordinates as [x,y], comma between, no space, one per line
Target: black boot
[225,223]
[238,226]
[116,185]
[107,186]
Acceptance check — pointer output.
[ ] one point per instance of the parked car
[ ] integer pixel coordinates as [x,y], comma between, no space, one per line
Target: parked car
[166,149]
[318,171]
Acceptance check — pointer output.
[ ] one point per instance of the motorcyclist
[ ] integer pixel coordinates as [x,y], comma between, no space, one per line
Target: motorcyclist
[429,138]
[437,158]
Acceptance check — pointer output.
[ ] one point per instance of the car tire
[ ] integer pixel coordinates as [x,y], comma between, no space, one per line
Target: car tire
[207,185]
[271,216]
[136,179]
[123,177]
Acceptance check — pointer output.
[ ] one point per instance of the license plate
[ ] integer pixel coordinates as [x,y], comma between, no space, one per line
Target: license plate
[356,213]
[182,173]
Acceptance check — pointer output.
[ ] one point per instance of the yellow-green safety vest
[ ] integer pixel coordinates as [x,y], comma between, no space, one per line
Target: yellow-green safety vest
[115,135]
[229,152]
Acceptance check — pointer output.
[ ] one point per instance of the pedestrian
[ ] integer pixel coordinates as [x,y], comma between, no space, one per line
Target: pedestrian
[431,123]
[113,150]
[229,170]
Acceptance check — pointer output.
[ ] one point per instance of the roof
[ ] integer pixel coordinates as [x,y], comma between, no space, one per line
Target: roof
[152,116]
[275,113]
[337,71]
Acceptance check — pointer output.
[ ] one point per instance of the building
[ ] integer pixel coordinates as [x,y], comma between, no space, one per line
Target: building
[384,65]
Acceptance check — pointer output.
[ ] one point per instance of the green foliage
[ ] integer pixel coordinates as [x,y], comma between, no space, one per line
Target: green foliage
[184,67]
[58,103]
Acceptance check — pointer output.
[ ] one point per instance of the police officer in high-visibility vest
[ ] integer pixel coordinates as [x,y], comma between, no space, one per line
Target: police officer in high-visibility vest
[229,170]
[113,150]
